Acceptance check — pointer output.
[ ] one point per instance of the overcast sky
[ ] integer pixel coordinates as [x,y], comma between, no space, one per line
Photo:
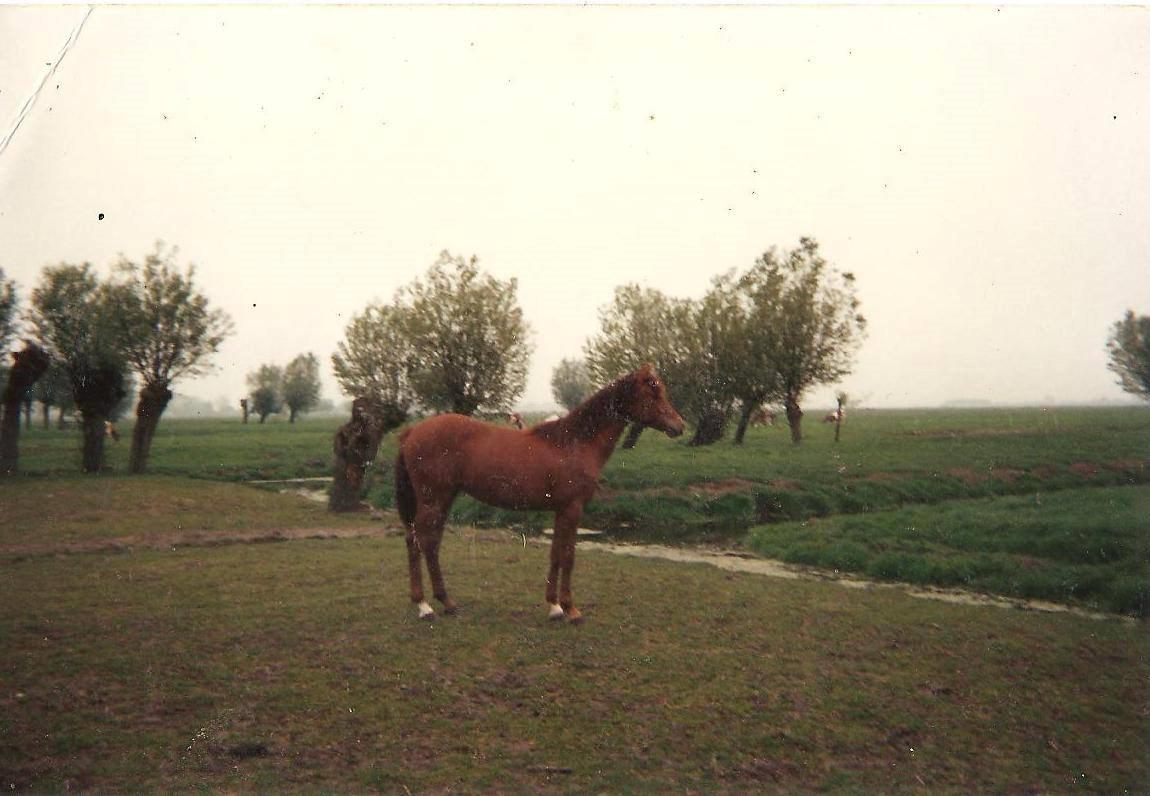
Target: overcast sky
[982,171]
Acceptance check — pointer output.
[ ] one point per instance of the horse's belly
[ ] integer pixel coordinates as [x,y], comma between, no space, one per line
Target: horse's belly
[509,492]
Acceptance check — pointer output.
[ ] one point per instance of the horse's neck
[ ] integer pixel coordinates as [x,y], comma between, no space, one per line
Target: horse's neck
[596,425]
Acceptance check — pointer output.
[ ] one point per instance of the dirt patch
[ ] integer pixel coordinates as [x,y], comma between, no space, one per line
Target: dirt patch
[966,475]
[1006,475]
[785,485]
[725,487]
[1084,469]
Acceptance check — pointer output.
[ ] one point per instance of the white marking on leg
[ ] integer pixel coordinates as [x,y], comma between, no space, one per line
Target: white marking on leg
[556,611]
[426,611]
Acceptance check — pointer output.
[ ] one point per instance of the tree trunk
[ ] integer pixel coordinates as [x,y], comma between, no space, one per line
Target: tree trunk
[633,436]
[838,419]
[745,415]
[712,426]
[355,446]
[794,419]
[97,391]
[46,414]
[27,413]
[244,408]
[153,401]
[263,417]
[60,420]
[291,414]
[28,366]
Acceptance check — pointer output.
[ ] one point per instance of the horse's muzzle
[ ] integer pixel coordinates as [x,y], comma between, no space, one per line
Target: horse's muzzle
[674,428]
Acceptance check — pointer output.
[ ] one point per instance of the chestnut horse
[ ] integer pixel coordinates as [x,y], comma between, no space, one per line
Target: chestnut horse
[553,466]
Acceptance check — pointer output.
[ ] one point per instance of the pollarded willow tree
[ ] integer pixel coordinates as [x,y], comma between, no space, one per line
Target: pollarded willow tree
[570,383]
[73,315]
[300,387]
[370,365]
[468,337]
[810,321]
[1129,350]
[168,332]
[371,362]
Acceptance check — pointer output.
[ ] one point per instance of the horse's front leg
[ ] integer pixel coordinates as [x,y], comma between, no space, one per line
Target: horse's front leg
[562,563]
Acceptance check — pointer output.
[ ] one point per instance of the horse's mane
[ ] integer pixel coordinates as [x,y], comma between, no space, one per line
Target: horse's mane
[588,418]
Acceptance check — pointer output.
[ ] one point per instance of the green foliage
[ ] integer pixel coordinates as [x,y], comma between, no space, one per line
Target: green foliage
[266,384]
[468,338]
[166,325]
[805,323]
[300,385]
[372,359]
[640,326]
[1129,350]
[74,316]
[9,302]
[570,383]
[54,388]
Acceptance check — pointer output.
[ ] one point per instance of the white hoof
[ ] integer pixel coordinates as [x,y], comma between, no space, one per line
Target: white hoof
[556,612]
[426,611]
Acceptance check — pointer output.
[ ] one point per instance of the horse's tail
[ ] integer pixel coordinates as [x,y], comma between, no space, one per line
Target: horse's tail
[404,491]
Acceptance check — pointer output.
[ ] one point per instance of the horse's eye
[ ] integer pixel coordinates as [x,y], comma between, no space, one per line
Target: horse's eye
[653,384]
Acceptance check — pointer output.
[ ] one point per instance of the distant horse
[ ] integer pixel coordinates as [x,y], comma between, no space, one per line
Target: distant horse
[553,466]
[110,431]
[837,416]
[763,417]
[515,419]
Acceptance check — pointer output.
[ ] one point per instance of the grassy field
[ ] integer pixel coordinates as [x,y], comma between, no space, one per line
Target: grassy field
[301,666]
[667,491]
[146,646]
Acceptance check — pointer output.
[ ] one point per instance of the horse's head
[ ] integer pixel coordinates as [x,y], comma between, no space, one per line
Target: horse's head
[645,401]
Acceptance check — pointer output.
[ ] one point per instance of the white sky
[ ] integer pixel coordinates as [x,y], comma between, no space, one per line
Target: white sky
[983,171]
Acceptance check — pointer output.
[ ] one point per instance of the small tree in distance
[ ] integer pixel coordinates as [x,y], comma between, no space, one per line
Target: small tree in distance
[570,383]
[168,332]
[9,299]
[300,387]
[1129,350]
[264,383]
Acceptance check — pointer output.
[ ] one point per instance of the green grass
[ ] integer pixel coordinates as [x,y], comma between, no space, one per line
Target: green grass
[300,666]
[42,511]
[1088,546]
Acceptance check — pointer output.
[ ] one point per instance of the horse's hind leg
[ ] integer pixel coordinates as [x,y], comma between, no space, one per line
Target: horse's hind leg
[428,534]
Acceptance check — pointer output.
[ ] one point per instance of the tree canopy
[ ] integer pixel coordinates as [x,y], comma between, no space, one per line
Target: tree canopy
[371,362]
[300,386]
[9,302]
[1129,350]
[570,383]
[468,337]
[265,385]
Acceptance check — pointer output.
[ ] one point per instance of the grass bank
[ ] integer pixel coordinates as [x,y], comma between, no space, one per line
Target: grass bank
[1084,546]
[300,667]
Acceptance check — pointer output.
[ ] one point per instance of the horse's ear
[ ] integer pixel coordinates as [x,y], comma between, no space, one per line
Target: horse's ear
[647,369]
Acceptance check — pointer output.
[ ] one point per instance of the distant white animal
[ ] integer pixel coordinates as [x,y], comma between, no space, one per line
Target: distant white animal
[550,417]
[515,419]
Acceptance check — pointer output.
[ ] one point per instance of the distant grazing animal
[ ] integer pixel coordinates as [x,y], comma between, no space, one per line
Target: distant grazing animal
[837,416]
[515,419]
[110,431]
[763,417]
[553,466]
[550,417]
